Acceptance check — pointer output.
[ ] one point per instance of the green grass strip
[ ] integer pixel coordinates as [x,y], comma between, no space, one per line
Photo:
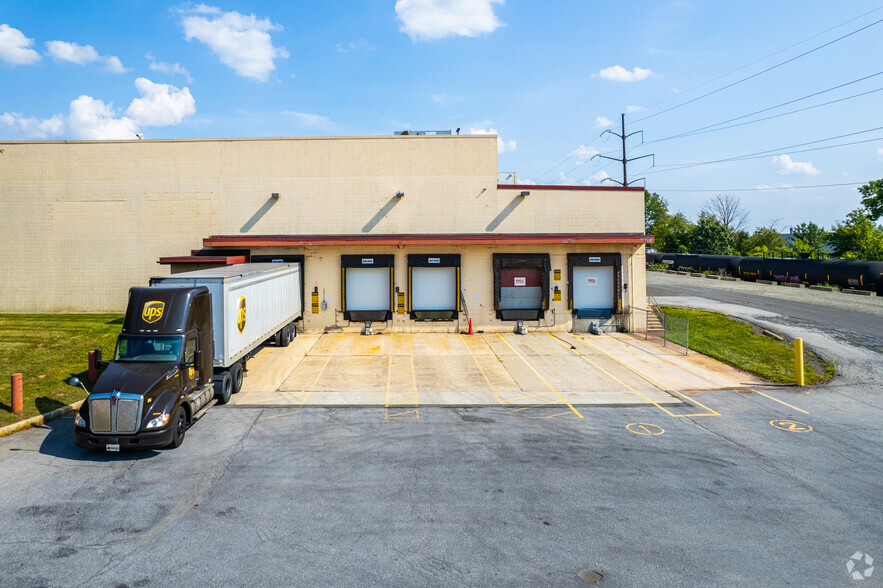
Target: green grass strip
[47,350]
[735,343]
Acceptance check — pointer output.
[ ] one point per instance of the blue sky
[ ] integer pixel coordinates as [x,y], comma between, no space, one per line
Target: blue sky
[547,77]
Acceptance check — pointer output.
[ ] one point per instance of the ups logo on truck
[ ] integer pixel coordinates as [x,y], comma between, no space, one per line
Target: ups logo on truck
[240,314]
[153,311]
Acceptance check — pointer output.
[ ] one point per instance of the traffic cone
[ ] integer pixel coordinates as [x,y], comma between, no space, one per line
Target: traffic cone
[470,326]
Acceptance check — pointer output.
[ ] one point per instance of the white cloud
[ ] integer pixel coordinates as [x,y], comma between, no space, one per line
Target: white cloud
[160,105]
[442,99]
[620,74]
[82,54]
[583,153]
[360,45]
[241,41]
[168,68]
[787,166]
[310,120]
[502,146]
[602,122]
[427,20]
[114,65]
[880,152]
[79,54]
[31,127]
[93,119]
[633,109]
[15,47]
[596,179]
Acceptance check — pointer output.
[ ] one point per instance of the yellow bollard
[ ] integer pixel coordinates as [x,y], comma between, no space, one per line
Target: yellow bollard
[798,360]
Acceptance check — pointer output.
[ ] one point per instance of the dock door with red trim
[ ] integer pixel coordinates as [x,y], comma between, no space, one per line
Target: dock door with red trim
[521,285]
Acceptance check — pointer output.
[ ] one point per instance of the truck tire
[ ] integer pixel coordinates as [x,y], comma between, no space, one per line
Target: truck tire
[285,338]
[236,377]
[180,425]
[223,387]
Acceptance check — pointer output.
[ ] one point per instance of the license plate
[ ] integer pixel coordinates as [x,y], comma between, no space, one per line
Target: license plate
[113,447]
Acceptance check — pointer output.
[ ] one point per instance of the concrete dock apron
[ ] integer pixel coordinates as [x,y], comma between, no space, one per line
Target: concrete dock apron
[534,375]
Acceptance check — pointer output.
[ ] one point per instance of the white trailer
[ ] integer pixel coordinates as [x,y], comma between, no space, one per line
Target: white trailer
[251,303]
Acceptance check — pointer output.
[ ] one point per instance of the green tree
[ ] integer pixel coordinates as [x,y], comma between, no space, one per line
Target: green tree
[809,238]
[655,211]
[857,237]
[872,198]
[765,241]
[710,236]
[674,236]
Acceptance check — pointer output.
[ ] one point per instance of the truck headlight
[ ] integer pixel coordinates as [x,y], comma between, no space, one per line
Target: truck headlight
[79,421]
[159,421]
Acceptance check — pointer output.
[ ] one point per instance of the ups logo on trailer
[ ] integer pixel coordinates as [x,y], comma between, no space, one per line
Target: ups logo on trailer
[153,311]
[240,314]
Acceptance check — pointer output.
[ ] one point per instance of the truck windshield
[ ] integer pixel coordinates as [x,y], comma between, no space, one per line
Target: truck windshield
[148,349]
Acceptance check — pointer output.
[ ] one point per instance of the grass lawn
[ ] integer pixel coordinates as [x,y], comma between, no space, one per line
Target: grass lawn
[48,350]
[736,343]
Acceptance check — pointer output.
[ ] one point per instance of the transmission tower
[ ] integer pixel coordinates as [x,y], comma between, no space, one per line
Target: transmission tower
[625,160]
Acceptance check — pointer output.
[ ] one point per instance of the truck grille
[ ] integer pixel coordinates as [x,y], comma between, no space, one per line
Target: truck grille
[114,412]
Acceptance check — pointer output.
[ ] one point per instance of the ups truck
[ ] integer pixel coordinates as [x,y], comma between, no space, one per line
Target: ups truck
[183,347]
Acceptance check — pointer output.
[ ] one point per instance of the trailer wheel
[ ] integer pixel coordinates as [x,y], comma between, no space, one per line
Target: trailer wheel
[223,387]
[236,377]
[180,424]
[285,338]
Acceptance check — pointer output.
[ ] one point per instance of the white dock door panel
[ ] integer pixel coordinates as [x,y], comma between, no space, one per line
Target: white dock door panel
[367,288]
[593,287]
[433,288]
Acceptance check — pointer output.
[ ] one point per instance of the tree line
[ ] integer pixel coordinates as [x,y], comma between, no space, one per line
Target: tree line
[722,229]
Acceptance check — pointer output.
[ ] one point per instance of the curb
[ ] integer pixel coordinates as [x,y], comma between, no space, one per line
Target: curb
[40,419]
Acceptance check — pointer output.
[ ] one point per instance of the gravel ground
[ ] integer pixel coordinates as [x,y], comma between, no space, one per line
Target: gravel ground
[843,328]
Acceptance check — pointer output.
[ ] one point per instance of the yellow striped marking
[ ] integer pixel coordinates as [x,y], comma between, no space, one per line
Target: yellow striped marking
[552,388]
[396,410]
[780,402]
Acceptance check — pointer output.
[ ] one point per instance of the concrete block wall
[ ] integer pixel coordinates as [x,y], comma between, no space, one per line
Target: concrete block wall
[82,221]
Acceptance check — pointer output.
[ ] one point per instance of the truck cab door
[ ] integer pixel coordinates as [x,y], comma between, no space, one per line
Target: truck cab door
[190,375]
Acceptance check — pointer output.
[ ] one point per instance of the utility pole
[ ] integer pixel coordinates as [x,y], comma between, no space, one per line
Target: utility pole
[625,160]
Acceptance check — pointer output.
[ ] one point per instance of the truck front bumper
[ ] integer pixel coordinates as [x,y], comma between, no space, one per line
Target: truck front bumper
[143,440]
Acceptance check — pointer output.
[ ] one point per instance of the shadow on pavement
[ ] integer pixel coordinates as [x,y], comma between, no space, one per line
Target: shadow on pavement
[59,442]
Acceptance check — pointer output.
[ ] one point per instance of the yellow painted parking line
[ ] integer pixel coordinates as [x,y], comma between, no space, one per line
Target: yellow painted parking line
[286,395]
[481,371]
[780,402]
[528,364]
[652,380]
[535,406]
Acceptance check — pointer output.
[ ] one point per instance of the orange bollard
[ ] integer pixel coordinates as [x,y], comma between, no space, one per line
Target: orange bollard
[17,400]
[93,368]
[470,326]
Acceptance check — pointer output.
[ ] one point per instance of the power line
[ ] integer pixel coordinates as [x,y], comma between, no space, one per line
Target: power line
[761,154]
[710,128]
[762,188]
[745,79]
[705,83]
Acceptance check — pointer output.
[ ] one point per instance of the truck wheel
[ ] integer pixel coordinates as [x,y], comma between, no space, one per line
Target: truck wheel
[180,424]
[285,339]
[236,377]
[223,388]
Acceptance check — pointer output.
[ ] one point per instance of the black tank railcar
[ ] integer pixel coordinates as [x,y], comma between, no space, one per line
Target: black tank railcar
[862,275]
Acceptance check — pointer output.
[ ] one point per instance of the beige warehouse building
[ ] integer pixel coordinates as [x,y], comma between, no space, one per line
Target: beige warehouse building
[410,232]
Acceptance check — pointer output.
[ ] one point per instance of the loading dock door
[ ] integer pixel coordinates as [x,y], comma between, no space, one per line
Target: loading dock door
[521,285]
[434,287]
[521,288]
[593,288]
[367,287]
